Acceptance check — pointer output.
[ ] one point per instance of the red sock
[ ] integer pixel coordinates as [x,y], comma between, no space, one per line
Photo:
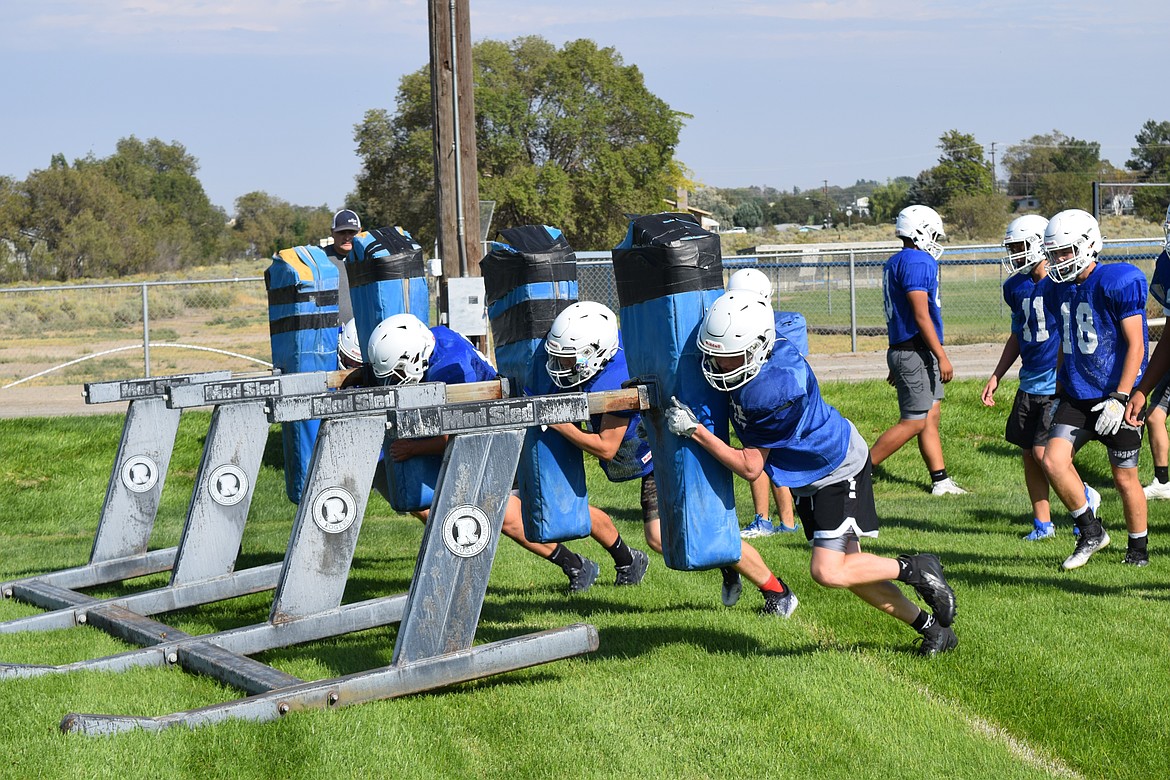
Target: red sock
[773,585]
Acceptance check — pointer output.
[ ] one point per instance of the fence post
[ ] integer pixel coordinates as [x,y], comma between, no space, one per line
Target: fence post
[145,333]
[852,304]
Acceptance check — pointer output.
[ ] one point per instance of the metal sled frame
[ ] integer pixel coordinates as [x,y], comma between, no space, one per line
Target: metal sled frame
[204,563]
[440,613]
[135,489]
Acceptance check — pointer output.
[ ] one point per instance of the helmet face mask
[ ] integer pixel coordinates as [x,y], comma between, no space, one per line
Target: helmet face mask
[923,226]
[1024,242]
[736,339]
[582,339]
[1072,241]
[400,350]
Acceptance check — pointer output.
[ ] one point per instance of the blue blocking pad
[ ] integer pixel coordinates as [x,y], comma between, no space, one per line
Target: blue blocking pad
[669,272]
[302,323]
[530,277]
[386,277]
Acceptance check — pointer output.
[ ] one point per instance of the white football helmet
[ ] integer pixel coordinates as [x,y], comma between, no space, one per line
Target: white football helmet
[738,324]
[1166,228]
[1071,229]
[1027,233]
[349,354]
[923,226]
[400,349]
[582,339]
[751,280]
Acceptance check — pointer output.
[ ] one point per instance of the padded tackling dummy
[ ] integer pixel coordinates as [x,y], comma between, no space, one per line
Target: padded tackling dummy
[386,277]
[791,325]
[669,271]
[528,281]
[302,323]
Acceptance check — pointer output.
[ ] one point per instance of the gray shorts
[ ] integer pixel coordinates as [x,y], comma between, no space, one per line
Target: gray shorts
[917,379]
[1160,398]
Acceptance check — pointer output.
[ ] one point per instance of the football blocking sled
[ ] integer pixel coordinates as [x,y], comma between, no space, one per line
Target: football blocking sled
[528,281]
[135,488]
[440,613]
[203,568]
[669,271]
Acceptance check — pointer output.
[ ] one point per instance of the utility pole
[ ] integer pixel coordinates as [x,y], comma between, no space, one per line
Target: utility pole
[453,109]
[994,180]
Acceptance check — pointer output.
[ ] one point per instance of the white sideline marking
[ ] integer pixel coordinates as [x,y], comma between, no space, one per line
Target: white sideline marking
[1017,747]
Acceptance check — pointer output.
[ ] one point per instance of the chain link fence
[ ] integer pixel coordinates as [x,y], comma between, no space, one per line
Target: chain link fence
[71,334]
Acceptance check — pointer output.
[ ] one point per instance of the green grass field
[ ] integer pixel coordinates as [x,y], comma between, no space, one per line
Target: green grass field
[1056,674]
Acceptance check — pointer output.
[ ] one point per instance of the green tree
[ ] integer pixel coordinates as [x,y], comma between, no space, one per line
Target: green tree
[569,137]
[265,224]
[1150,160]
[748,215]
[978,216]
[961,170]
[186,226]
[710,199]
[890,198]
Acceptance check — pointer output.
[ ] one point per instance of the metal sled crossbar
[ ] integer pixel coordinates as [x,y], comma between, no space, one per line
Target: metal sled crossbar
[440,613]
[135,487]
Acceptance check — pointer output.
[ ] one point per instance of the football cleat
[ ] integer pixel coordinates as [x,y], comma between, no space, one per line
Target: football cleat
[946,487]
[635,571]
[580,580]
[1157,489]
[1086,546]
[732,586]
[761,526]
[1134,557]
[924,573]
[779,604]
[1040,530]
[937,639]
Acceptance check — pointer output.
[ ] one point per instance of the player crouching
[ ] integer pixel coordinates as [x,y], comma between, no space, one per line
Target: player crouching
[792,434]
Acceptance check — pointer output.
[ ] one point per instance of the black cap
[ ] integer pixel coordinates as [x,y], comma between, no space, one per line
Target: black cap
[346,220]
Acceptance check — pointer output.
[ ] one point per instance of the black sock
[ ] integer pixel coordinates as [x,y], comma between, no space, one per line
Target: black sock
[905,569]
[1139,542]
[565,558]
[924,621]
[938,476]
[620,552]
[729,574]
[1162,474]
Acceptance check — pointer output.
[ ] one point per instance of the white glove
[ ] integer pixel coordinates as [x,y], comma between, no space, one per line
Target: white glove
[680,420]
[1112,411]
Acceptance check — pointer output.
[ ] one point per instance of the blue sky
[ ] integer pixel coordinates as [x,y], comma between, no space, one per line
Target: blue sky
[265,93]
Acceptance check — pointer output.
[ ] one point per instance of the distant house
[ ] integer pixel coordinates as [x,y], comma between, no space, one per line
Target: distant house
[1027,203]
[706,219]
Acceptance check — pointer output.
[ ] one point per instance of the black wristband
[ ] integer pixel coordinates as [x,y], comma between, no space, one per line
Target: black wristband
[1122,397]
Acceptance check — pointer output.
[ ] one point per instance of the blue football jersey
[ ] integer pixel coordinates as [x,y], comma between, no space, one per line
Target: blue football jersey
[781,410]
[907,271]
[633,458]
[1090,328]
[456,361]
[1036,326]
[1160,281]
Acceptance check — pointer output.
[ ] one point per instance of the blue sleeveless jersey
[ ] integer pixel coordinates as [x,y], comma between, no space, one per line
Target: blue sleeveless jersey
[1036,325]
[456,361]
[1090,328]
[781,410]
[907,271]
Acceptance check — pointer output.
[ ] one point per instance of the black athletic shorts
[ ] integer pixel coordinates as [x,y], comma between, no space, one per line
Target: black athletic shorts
[844,507]
[1075,421]
[1030,419]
